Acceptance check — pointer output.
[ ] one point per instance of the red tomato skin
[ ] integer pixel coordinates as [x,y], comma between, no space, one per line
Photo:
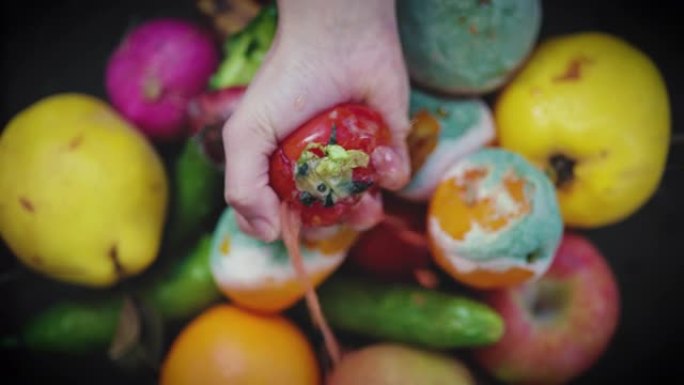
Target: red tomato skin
[357,127]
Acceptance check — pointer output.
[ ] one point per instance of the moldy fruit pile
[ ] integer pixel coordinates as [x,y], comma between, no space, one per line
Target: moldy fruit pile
[479,256]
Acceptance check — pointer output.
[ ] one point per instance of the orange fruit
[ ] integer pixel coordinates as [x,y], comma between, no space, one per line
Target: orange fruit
[456,196]
[260,276]
[227,345]
[494,220]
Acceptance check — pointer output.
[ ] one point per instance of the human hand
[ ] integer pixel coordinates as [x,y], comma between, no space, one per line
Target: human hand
[324,54]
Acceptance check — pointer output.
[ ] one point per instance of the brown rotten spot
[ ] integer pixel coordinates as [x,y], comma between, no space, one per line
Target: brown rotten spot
[27,204]
[573,71]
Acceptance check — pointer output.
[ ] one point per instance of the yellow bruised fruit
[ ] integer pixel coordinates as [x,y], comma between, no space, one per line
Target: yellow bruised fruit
[83,195]
[593,112]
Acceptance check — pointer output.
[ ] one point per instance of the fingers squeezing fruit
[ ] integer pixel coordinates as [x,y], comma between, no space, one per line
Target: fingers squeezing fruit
[494,220]
[259,276]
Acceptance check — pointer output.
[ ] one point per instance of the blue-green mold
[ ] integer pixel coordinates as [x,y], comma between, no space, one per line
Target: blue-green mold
[534,236]
[466,125]
[467,46]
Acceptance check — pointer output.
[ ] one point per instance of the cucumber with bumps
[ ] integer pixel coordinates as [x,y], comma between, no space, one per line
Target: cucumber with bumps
[409,314]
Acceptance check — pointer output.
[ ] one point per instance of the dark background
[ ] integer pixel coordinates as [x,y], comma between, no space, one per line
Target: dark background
[62,45]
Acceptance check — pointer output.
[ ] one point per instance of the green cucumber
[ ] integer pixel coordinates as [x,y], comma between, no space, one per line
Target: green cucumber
[87,326]
[408,314]
[73,327]
[196,195]
[188,287]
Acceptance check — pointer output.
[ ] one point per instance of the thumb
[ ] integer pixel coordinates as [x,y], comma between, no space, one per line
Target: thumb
[392,162]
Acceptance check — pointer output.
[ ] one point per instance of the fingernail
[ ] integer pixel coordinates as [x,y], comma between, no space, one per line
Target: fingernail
[392,168]
[264,229]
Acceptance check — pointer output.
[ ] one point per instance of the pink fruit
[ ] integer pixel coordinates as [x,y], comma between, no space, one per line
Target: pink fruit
[556,327]
[155,71]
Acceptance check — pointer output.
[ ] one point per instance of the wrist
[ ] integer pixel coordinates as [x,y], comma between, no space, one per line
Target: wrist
[307,20]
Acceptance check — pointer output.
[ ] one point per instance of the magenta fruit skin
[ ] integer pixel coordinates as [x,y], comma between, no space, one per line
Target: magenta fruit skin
[155,70]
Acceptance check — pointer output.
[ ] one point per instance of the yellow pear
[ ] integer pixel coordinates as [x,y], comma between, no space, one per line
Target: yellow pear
[83,194]
[593,111]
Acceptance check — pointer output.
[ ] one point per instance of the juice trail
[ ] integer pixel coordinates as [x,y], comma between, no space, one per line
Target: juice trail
[291,227]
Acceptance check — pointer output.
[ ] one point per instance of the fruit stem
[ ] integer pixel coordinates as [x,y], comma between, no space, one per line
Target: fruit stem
[546,301]
[562,170]
[152,89]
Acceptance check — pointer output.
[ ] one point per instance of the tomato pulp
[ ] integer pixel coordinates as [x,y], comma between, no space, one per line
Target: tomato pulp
[324,167]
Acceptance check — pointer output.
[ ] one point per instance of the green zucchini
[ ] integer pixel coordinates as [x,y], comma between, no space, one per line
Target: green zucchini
[408,314]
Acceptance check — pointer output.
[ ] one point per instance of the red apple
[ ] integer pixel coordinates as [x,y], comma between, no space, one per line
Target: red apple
[396,247]
[558,326]
[207,112]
